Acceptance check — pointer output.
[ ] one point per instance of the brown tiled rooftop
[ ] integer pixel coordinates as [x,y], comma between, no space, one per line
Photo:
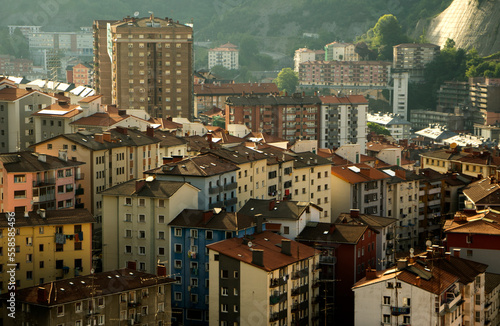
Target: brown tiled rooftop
[366,173]
[194,218]
[52,217]
[270,243]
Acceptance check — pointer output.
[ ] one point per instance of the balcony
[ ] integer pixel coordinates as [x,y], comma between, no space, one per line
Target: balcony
[214,190]
[79,191]
[316,283]
[44,198]
[389,236]
[216,204]
[231,201]
[80,176]
[452,300]
[277,297]
[329,260]
[43,183]
[134,304]
[276,282]
[278,315]
[230,186]
[396,311]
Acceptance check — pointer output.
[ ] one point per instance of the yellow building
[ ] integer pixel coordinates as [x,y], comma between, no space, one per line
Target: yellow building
[263,279]
[49,245]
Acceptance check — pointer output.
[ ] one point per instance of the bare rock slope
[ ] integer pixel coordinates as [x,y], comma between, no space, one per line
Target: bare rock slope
[470,23]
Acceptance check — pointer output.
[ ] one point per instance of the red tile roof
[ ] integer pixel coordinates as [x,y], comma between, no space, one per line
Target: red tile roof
[102,119]
[270,243]
[70,109]
[350,99]
[235,89]
[366,173]
[89,99]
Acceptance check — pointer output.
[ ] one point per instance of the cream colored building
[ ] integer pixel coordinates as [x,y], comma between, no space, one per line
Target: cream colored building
[263,280]
[226,55]
[135,221]
[111,158]
[341,52]
[49,245]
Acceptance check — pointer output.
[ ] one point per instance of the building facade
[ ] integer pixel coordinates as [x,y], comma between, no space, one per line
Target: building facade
[226,55]
[149,64]
[336,51]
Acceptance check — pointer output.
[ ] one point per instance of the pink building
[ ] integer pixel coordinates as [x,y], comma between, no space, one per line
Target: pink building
[31,181]
[346,73]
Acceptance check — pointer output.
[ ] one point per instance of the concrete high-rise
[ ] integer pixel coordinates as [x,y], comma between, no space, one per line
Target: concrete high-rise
[145,63]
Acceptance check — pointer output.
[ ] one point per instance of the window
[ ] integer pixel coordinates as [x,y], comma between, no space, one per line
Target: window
[60,311]
[161,251]
[128,217]
[209,235]
[142,202]
[286,230]
[387,300]
[142,218]
[161,235]
[19,194]
[224,273]
[128,233]
[78,307]
[178,232]
[178,296]
[406,319]
[469,253]
[178,248]
[19,178]
[161,219]
[128,201]
[223,307]
[178,264]
[142,250]
[387,319]
[224,291]
[141,234]
[194,233]
[236,274]
[128,249]
[161,203]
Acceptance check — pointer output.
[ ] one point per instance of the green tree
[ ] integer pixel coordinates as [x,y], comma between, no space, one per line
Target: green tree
[219,121]
[287,80]
[387,32]
[378,129]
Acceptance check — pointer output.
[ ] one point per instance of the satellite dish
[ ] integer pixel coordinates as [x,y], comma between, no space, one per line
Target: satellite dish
[92,271]
[250,244]
[453,145]
[428,243]
[136,14]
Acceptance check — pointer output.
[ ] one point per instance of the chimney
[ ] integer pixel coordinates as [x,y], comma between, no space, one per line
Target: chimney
[42,157]
[132,265]
[122,130]
[456,253]
[42,295]
[99,138]
[106,136]
[258,221]
[332,229]
[42,213]
[371,274]
[417,282]
[258,257]
[354,212]
[447,255]
[139,184]
[286,247]
[272,204]
[150,131]
[402,264]
[209,140]
[161,270]
[207,216]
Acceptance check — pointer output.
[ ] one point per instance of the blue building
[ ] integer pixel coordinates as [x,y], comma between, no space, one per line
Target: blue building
[191,231]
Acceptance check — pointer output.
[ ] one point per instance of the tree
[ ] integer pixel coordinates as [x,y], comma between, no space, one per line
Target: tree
[287,80]
[387,32]
[378,129]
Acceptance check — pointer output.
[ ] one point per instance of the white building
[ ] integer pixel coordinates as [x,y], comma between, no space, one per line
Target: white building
[225,55]
[343,121]
[400,93]
[304,55]
[408,295]
[397,125]
[341,52]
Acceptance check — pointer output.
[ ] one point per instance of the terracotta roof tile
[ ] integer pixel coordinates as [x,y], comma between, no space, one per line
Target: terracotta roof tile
[270,243]
[365,174]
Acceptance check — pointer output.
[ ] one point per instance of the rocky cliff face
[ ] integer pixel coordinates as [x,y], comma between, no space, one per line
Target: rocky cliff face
[470,23]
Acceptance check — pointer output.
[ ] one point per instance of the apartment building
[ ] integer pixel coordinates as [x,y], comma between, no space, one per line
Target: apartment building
[226,55]
[279,172]
[12,66]
[149,64]
[485,95]
[385,228]
[346,250]
[215,177]
[118,297]
[344,73]
[311,182]
[304,54]
[252,176]
[491,290]
[263,279]
[208,96]
[136,214]
[343,121]
[32,181]
[401,200]
[110,158]
[337,51]
[430,205]
[82,75]
[49,245]
[413,57]
[411,294]
[475,234]
[190,232]
[287,117]
[17,130]
[358,186]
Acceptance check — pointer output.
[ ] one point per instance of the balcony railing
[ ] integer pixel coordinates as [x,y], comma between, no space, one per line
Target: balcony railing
[42,183]
[79,191]
[231,201]
[230,186]
[396,311]
[214,190]
[448,304]
[79,176]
